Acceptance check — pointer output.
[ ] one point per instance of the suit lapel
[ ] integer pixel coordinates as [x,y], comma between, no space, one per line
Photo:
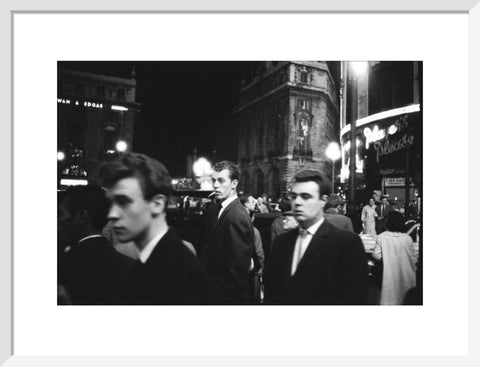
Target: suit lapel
[222,216]
[319,239]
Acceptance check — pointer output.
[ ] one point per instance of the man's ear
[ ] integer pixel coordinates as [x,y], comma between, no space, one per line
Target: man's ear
[159,204]
[234,183]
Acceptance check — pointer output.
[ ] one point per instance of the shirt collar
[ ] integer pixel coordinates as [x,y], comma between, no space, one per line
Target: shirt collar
[148,249]
[314,227]
[228,201]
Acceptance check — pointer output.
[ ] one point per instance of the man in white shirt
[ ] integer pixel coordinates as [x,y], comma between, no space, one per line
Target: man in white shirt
[166,272]
[226,254]
[317,263]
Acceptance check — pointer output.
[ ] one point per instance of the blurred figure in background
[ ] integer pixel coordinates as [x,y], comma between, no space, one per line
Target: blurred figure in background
[369,214]
[283,223]
[395,248]
[90,270]
[266,201]
[262,208]
[332,214]
[382,210]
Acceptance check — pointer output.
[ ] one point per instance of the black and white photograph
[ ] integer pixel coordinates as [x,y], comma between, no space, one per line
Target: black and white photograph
[195,186]
[239,182]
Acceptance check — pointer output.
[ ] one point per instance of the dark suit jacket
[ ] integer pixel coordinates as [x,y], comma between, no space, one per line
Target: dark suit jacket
[381,220]
[333,270]
[94,273]
[338,220]
[171,275]
[226,254]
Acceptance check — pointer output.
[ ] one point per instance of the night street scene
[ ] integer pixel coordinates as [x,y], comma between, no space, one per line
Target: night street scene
[239,183]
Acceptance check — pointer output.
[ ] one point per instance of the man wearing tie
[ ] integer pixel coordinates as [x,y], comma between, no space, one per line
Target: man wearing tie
[317,263]
[226,254]
[383,209]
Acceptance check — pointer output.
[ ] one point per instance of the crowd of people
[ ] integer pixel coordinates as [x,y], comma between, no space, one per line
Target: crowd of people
[315,253]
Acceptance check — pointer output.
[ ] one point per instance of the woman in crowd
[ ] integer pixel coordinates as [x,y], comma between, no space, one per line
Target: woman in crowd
[395,248]
[369,214]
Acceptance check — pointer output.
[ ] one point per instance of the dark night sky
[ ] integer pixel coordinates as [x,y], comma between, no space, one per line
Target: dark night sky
[183,104]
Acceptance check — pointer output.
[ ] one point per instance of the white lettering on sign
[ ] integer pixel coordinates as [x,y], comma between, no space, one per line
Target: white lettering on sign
[387,147]
[395,181]
[85,103]
[92,104]
[373,135]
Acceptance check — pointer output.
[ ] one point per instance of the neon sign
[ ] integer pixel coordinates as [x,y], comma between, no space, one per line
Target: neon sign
[388,147]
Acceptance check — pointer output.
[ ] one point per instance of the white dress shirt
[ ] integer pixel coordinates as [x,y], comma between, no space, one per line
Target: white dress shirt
[225,204]
[302,243]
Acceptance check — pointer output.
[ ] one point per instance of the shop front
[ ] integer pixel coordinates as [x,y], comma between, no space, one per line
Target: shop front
[389,157]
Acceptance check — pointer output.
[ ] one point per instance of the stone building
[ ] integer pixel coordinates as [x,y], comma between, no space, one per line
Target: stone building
[94,113]
[286,116]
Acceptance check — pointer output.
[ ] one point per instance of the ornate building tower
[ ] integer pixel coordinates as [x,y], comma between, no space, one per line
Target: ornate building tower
[286,116]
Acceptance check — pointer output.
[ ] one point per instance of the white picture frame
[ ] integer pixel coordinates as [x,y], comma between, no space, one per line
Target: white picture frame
[7,327]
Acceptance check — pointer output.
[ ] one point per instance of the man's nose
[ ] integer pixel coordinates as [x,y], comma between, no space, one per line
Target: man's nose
[113,213]
[297,200]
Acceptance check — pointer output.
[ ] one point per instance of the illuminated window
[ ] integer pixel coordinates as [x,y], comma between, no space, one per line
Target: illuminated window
[303,136]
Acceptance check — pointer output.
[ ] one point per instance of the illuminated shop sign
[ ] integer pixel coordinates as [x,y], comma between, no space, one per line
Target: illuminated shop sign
[394,181]
[381,116]
[77,103]
[72,182]
[387,147]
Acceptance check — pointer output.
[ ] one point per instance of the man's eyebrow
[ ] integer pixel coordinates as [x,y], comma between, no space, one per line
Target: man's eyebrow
[121,196]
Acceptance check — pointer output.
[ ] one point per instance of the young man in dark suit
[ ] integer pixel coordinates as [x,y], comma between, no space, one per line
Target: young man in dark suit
[138,188]
[382,210]
[226,254]
[317,263]
[90,270]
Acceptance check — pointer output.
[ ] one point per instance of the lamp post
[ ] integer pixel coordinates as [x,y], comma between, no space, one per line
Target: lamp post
[333,153]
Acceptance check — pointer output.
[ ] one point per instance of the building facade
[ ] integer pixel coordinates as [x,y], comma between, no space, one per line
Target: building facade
[383,131]
[94,113]
[287,115]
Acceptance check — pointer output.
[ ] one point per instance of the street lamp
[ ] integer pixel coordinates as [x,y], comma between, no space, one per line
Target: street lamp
[121,146]
[333,153]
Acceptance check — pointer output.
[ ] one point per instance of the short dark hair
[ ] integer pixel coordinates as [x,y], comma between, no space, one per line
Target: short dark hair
[90,198]
[395,222]
[334,201]
[153,176]
[285,205]
[316,176]
[233,170]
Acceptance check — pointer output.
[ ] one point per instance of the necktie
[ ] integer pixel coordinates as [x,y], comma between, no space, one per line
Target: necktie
[383,210]
[299,250]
